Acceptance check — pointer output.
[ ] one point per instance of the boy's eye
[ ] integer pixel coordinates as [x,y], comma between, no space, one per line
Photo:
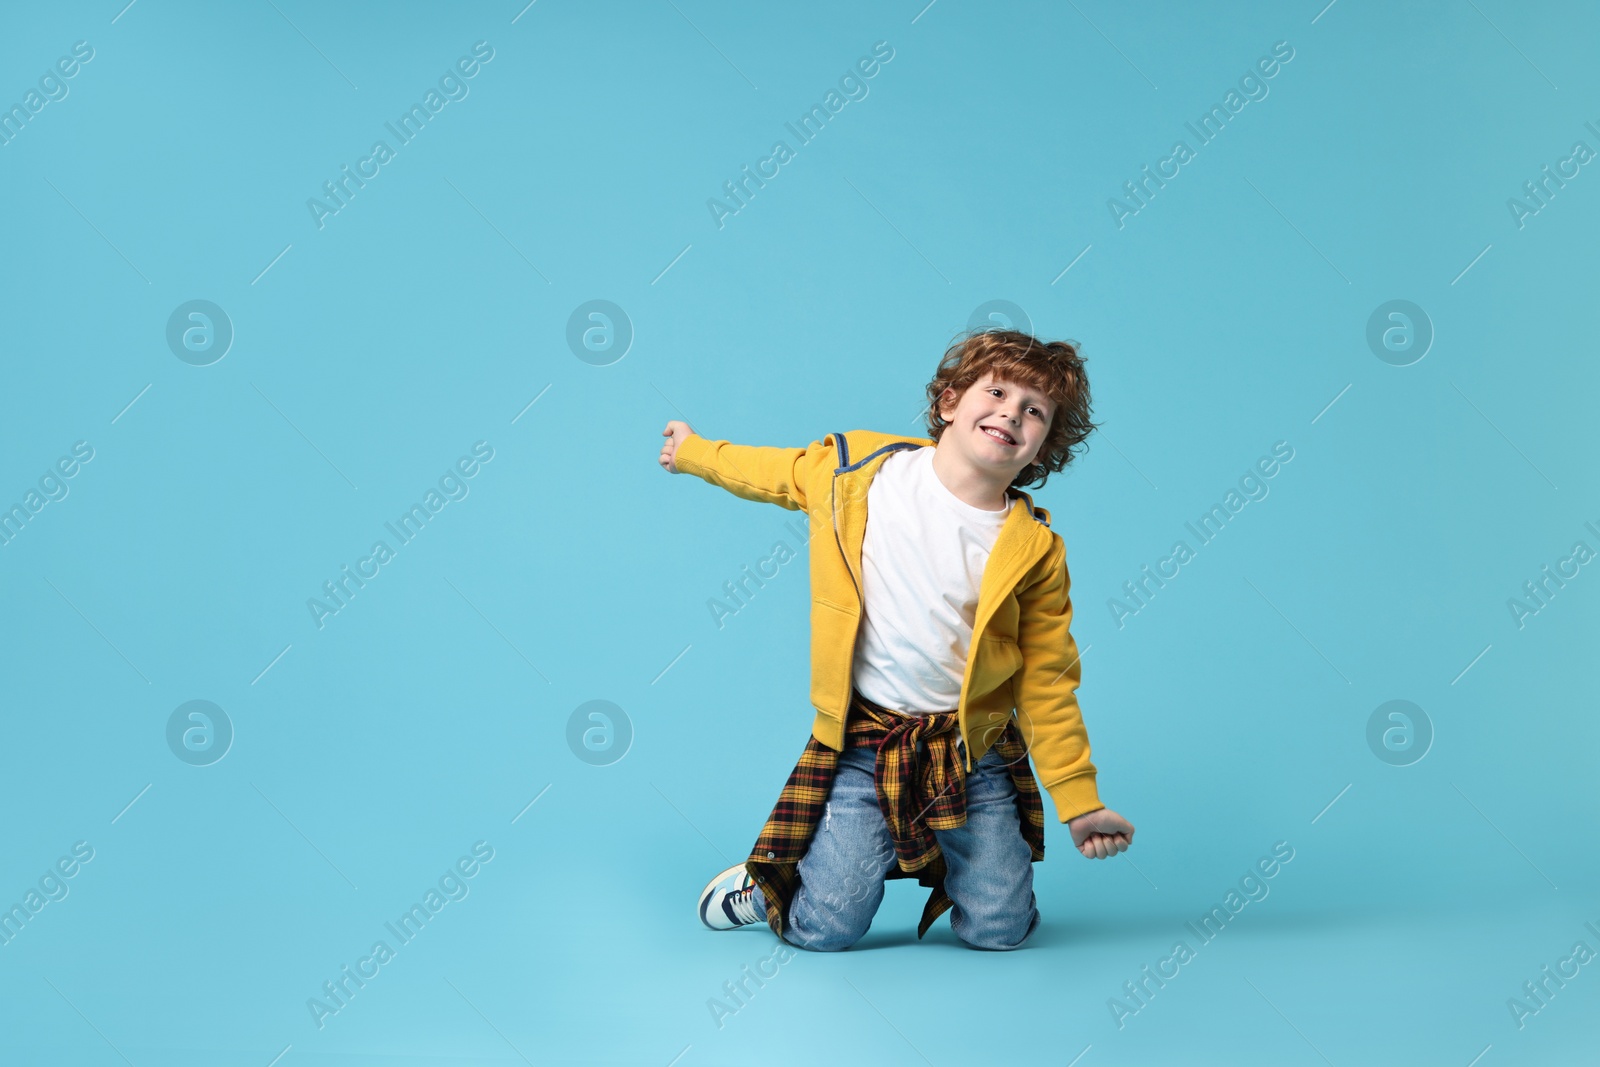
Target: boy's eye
[1035,410]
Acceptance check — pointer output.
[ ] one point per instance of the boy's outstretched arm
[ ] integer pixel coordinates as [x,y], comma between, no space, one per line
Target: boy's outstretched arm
[1047,710]
[779,476]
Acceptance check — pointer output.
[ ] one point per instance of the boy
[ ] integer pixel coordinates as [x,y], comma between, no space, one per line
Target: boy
[929,624]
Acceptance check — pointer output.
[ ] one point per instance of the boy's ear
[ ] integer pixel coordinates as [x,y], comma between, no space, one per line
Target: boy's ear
[947,403]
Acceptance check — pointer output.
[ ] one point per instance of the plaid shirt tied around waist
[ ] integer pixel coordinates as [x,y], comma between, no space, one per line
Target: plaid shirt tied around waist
[921,785]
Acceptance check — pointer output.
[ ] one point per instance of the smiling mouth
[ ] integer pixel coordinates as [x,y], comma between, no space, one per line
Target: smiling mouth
[999,435]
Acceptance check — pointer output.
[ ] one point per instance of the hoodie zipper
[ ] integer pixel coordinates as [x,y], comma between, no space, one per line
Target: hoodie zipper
[861,604]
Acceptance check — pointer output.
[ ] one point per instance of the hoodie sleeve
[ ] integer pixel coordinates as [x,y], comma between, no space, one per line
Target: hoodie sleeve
[1047,701]
[782,476]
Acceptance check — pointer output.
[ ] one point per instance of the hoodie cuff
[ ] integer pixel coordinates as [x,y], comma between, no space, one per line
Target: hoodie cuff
[689,459]
[1075,796]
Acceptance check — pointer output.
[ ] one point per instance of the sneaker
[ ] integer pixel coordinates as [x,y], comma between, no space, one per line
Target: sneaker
[728,901]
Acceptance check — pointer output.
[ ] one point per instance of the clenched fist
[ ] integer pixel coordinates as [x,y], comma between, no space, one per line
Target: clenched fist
[1101,834]
[674,433]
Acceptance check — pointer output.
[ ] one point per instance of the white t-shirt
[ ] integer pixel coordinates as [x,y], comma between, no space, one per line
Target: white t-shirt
[922,563]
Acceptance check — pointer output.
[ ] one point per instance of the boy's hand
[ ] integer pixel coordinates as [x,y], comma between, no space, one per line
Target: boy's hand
[1101,834]
[675,433]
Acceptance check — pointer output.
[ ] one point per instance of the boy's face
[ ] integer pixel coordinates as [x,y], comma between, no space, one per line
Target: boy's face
[996,425]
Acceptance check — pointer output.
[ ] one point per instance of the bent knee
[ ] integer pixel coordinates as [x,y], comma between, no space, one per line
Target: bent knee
[825,944]
[993,930]
[828,939]
[816,926]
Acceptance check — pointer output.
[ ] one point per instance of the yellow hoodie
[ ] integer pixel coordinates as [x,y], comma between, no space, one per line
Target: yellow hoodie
[1022,655]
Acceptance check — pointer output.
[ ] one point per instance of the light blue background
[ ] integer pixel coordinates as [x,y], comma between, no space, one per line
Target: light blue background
[1227,315]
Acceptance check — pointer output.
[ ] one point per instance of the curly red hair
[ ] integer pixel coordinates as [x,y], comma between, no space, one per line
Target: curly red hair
[1055,368]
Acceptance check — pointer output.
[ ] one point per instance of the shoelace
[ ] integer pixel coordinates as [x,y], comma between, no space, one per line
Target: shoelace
[741,906]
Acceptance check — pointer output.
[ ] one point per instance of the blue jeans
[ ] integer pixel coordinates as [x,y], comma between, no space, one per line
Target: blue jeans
[989,867]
